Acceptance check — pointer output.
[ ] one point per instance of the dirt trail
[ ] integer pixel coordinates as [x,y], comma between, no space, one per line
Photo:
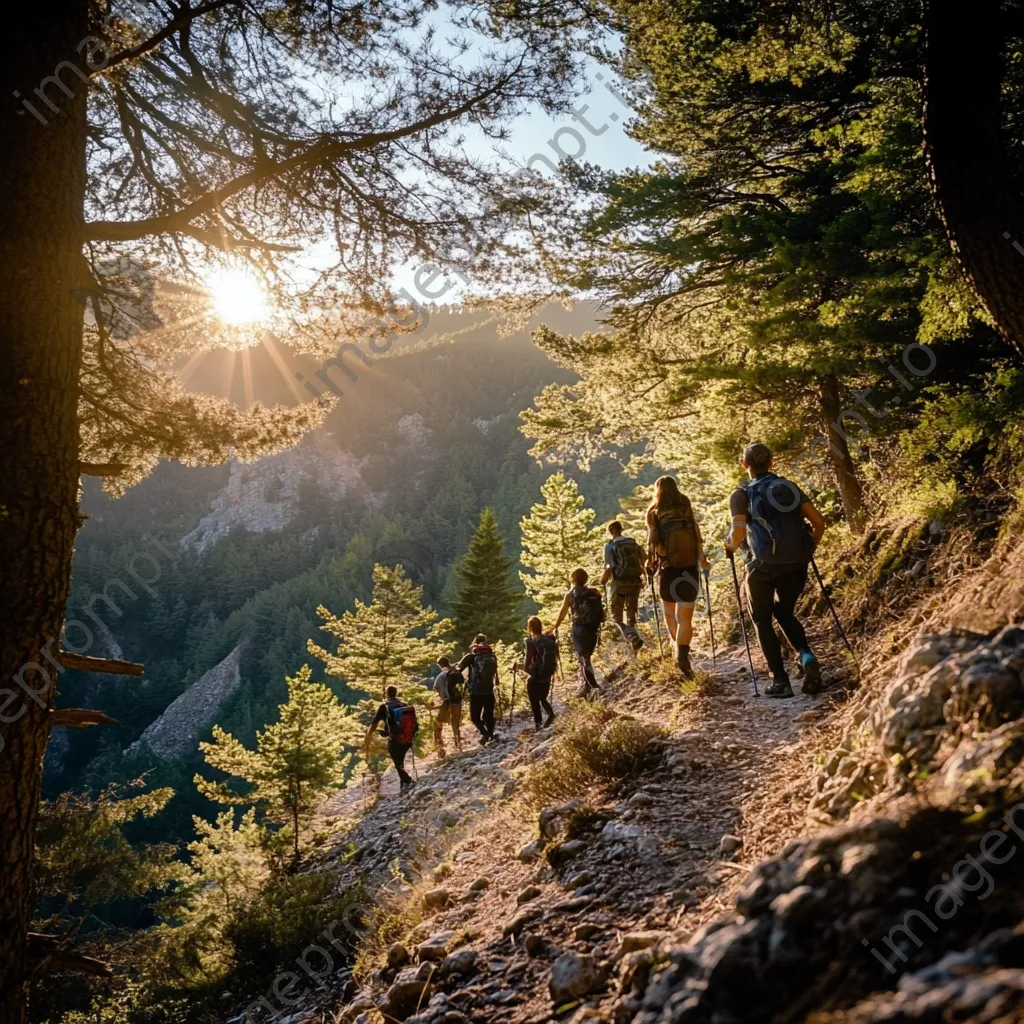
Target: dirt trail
[654,858]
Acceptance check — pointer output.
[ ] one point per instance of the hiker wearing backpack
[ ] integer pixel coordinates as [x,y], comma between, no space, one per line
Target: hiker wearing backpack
[778,528]
[677,548]
[449,686]
[539,666]
[624,562]
[400,727]
[483,677]
[587,610]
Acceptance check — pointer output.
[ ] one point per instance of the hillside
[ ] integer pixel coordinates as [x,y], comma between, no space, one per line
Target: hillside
[828,858]
[216,574]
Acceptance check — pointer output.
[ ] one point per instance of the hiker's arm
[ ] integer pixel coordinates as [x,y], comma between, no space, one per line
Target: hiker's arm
[606,575]
[607,565]
[562,614]
[739,506]
[467,660]
[816,519]
[702,559]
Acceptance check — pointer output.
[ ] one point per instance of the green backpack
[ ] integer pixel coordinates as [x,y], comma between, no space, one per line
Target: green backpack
[626,563]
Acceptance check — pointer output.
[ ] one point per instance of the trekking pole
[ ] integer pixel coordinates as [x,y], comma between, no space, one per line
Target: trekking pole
[657,620]
[711,621]
[743,625]
[512,703]
[832,609]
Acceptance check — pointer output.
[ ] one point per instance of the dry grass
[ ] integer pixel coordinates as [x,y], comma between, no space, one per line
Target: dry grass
[594,744]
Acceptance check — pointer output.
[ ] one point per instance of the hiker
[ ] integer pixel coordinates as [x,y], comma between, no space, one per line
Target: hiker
[624,562]
[449,685]
[584,603]
[539,666]
[778,528]
[399,721]
[677,550]
[483,675]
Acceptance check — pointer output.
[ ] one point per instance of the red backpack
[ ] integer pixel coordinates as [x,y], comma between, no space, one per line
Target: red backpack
[402,724]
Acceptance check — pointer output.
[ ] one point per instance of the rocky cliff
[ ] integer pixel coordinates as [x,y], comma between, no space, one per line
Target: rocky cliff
[176,732]
[264,496]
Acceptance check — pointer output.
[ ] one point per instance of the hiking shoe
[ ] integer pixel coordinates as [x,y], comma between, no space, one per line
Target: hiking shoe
[636,643]
[683,660]
[811,672]
[549,721]
[483,741]
[779,688]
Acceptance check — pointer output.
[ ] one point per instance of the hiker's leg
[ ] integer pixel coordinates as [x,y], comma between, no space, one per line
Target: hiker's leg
[532,691]
[618,600]
[439,733]
[588,671]
[788,588]
[397,752]
[476,710]
[632,605]
[761,592]
[456,711]
[488,715]
[544,697]
[670,619]
[684,630]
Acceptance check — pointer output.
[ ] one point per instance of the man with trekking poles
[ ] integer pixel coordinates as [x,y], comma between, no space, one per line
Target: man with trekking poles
[778,529]
[624,562]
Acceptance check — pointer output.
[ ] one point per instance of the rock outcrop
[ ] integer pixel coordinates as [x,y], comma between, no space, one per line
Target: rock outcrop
[176,732]
[264,496]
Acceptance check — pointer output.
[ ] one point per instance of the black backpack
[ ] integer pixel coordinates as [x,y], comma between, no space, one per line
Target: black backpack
[456,685]
[545,650]
[777,533]
[587,608]
[626,564]
[483,672]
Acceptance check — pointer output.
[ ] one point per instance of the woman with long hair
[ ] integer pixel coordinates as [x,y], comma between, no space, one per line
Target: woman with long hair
[675,543]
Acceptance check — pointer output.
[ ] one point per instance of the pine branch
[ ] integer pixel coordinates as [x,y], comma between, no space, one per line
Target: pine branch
[79,718]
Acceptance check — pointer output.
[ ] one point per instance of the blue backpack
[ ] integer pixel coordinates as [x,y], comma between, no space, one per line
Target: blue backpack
[777,533]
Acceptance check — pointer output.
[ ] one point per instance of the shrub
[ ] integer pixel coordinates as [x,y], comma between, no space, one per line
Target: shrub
[277,925]
[593,745]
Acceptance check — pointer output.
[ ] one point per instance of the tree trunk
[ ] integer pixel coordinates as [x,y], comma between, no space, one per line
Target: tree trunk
[843,466]
[42,190]
[970,174]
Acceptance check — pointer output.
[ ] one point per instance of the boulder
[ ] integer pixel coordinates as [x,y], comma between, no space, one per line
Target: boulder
[436,899]
[573,975]
[633,941]
[553,816]
[459,964]
[531,892]
[531,851]
[398,956]
[435,949]
[411,988]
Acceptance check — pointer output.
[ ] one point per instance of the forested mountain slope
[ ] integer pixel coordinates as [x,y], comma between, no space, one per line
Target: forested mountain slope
[201,564]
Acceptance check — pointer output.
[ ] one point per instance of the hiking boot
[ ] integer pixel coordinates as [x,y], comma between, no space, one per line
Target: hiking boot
[811,673]
[549,721]
[483,741]
[779,688]
[683,660]
[636,642]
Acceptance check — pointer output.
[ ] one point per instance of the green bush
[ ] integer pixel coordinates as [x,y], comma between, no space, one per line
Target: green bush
[274,928]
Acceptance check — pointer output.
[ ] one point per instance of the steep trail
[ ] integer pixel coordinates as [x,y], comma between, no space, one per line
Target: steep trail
[650,860]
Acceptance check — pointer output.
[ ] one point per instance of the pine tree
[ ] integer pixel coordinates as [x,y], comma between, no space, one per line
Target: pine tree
[389,641]
[486,601]
[556,539]
[295,763]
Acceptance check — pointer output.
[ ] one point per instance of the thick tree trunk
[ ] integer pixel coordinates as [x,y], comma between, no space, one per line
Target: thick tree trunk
[42,189]
[843,466]
[970,175]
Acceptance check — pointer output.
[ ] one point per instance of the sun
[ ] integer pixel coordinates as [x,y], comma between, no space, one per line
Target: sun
[237,297]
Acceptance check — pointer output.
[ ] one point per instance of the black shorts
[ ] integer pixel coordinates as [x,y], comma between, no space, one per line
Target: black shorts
[679,585]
